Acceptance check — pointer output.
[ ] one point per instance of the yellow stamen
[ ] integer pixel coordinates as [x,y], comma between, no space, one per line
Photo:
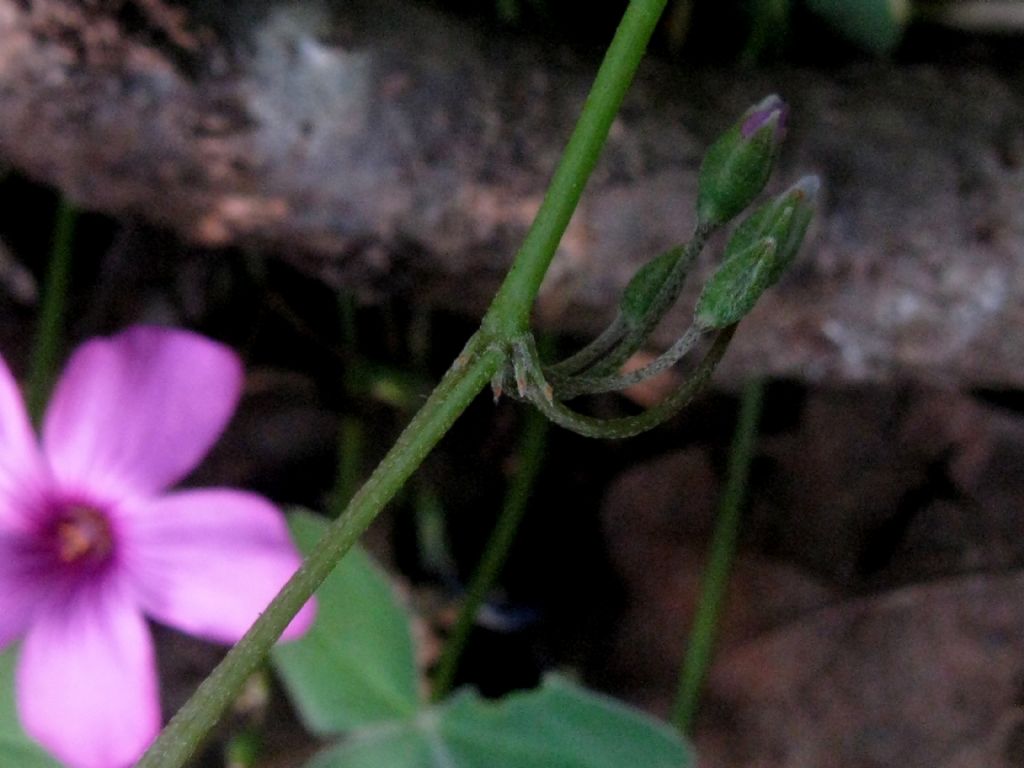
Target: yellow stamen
[83,532]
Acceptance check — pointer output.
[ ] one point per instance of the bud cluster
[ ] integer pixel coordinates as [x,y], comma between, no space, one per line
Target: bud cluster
[733,173]
[757,254]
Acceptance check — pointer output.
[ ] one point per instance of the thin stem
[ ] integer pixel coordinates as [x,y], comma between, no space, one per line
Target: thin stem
[350,460]
[590,354]
[460,385]
[51,317]
[485,354]
[723,549]
[531,453]
[509,314]
[350,430]
[431,536]
[540,394]
[587,385]
[660,305]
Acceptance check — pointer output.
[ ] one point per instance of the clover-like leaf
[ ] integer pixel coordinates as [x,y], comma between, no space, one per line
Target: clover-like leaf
[356,665]
[558,725]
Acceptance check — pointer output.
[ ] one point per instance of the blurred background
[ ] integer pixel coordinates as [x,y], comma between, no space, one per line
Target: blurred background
[334,189]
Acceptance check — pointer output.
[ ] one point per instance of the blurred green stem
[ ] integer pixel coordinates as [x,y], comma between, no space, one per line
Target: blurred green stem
[350,457]
[507,318]
[50,331]
[243,749]
[517,497]
[720,559]
[458,388]
[350,429]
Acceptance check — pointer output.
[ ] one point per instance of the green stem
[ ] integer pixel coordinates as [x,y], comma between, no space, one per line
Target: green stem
[590,354]
[350,459]
[350,429]
[460,385]
[723,549]
[509,314]
[661,303]
[485,354]
[587,385]
[531,453]
[542,395]
[51,317]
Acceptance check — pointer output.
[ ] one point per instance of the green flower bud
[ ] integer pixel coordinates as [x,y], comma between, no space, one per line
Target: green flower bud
[736,286]
[737,165]
[643,288]
[785,219]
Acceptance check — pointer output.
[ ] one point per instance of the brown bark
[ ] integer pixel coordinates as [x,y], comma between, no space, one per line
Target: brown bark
[393,149]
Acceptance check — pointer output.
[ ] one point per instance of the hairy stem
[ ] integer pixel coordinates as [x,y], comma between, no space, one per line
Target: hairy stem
[507,318]
[590,354]
[509,314]
[542,396]
[460,385]
[662,302]
[587,385]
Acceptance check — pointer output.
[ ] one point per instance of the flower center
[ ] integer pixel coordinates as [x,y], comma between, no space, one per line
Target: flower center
[83,534]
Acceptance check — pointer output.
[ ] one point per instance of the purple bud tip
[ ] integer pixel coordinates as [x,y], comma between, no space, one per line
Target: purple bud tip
[769,109]
[807,188]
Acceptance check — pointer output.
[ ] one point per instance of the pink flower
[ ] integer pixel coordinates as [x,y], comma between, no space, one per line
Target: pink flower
[90,538]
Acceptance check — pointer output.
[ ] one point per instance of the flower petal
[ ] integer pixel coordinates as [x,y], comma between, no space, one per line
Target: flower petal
[137,411]
[20,592]
[208,562]
[86,682]
[21,468]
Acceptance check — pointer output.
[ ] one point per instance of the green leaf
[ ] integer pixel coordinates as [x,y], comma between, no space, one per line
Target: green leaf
[559,725]
[356,665]
[404,744]
[16,748]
